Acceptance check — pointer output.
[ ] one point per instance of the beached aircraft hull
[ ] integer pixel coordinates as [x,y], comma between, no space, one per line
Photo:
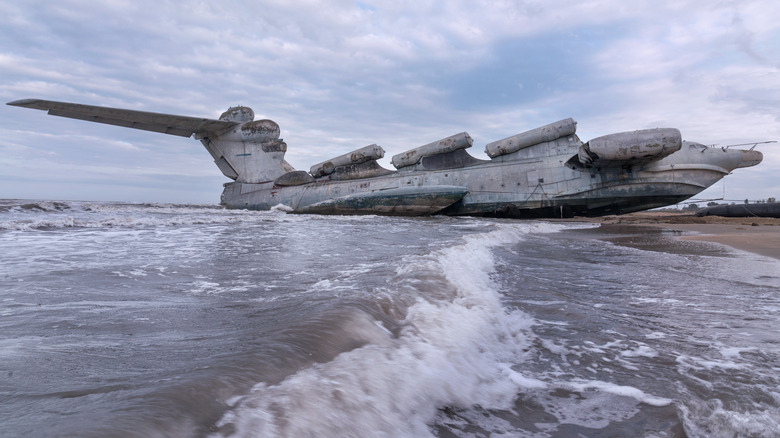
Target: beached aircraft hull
[544,172]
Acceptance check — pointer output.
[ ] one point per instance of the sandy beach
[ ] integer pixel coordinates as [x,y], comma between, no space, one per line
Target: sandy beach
[752,234]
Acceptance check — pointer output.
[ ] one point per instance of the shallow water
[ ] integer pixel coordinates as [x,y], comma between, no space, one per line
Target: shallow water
[176,320]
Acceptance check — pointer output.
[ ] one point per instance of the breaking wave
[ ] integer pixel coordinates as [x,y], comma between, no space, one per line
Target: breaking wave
[454,347]
[24,215]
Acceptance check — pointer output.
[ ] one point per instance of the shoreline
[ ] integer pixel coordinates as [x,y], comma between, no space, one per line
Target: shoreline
[758,235]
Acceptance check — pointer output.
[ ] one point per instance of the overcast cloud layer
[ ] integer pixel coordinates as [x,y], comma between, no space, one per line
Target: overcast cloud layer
[339,75]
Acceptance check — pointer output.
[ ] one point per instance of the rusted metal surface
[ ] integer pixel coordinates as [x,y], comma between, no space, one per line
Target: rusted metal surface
[629,148]
[367,153]
[551,132]
[543,172]
[274,146]
[403,201]
[260,130]
[238,114]
[294,178]
[445,145]
[358,171]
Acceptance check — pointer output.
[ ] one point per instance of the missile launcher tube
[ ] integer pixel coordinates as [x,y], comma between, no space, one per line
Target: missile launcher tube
[367,153]
[546,133]
[452,143]
[635,146]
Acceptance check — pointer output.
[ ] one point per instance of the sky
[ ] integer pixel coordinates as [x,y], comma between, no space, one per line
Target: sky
[339,75]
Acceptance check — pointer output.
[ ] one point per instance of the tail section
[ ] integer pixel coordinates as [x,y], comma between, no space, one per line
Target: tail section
[250,152]
[244,149]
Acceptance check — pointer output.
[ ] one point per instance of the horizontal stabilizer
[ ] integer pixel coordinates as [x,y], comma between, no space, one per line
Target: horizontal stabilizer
[156,122]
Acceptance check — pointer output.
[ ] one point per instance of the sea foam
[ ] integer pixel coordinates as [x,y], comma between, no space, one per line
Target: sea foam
[455,348]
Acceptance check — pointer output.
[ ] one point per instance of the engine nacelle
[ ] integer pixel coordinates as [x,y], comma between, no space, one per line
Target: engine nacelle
[238,114]
[260,131]
[626,148]
[255,131]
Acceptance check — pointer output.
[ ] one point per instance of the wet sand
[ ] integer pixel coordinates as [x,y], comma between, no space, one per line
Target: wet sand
[752,234]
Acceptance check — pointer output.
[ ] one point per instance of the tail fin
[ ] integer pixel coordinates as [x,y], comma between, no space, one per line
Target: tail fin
[251,152]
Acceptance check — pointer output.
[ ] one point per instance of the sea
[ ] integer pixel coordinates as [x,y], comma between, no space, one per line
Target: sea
[164,320]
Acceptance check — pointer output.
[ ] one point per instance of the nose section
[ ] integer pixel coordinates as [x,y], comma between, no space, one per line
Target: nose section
[750,158]
[729,159]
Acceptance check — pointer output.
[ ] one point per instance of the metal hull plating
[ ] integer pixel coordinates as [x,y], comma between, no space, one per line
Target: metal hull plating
[509,186]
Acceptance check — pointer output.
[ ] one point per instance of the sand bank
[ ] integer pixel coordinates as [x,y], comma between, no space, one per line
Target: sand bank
[753,234]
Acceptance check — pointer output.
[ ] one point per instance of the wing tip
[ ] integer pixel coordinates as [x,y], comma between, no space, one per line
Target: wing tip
[28,103]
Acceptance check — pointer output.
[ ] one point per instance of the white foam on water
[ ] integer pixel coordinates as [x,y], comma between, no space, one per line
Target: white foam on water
[542,303]
[687,363]
[712,419]
[36,215]
[590,404]
[620,390]
[656,335]
[282,208]
[344,280]
[735,352]
[455,348]
[641,351]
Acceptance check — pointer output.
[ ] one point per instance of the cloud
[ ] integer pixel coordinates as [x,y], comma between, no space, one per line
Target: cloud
[339,75]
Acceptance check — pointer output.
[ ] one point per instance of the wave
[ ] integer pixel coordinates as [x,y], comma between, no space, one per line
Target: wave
[711,418]
[454,346]
[25,215]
